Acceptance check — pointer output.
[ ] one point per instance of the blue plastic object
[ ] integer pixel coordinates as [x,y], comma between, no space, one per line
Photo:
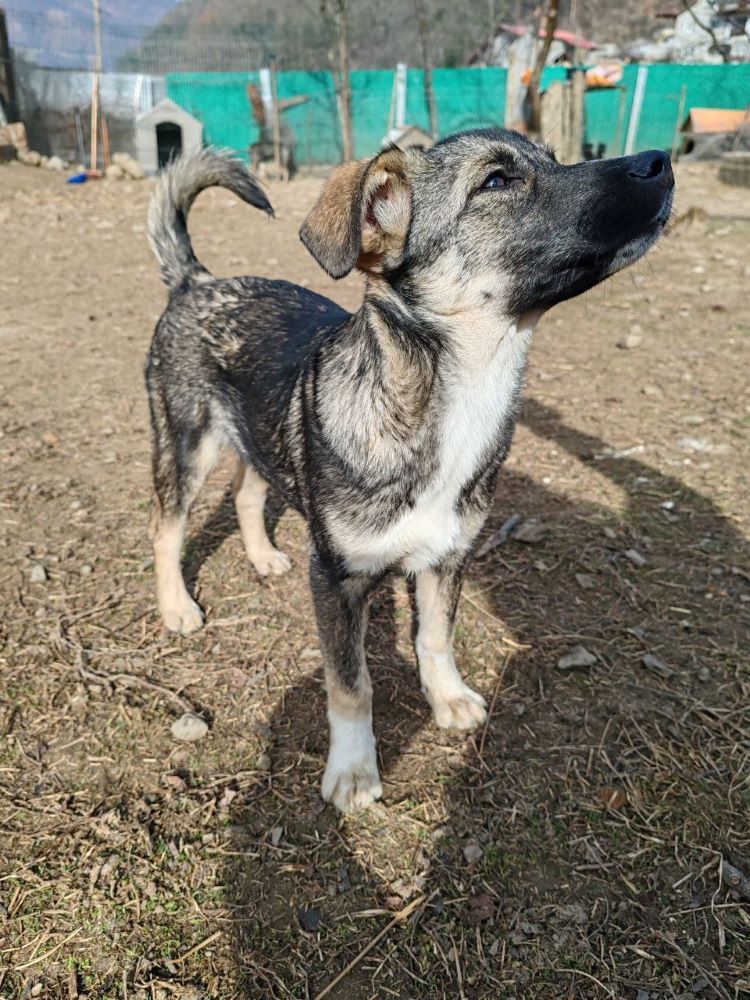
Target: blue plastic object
[78,178]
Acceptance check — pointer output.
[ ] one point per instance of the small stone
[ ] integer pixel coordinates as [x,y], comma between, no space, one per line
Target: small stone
[130,167]
[609,532]
[87,569]
[635,557]
[31,158]
[36,990]
[189,728]
[530,532]
[579,656]
[263,763]
[55,163]
[38,574]
[114,172]
[175,782]
[694,444]
[656,666]
[585,581]
[227,797]
[309,653]
[481,907]
[704,674]
[276,834]
[653,391]
[629,341]
[472,851]
[310,918]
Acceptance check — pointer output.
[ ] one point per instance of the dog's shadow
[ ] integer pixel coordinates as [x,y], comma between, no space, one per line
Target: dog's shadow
[291,859]
[218,526]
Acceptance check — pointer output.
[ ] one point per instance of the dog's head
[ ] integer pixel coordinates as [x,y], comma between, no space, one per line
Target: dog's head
[488,218]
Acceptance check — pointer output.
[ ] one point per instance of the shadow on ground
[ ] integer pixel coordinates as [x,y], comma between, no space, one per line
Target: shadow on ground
[571,848]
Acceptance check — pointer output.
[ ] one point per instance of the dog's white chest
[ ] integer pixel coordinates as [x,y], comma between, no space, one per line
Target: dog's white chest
[477,404]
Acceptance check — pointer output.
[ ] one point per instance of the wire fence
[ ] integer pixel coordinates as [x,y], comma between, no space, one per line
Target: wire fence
[209,75]
[67,40]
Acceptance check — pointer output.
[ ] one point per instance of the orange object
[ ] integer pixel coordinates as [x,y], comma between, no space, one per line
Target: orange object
[705,121]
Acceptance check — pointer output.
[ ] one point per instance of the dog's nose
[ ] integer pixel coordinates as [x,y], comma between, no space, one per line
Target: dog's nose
[653,165]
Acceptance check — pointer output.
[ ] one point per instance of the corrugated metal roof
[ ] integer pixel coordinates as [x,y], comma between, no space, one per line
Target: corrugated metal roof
[568,37]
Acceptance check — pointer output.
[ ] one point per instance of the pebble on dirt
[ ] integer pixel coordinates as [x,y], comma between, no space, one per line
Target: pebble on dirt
[472,851]
[130,167]
[635,557]
[189,728]
[530,532]
[310,918]
[629,341]
[656,666]
[38,574]
[579,656]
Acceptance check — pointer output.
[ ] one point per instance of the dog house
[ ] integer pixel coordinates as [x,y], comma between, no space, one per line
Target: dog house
[163,133]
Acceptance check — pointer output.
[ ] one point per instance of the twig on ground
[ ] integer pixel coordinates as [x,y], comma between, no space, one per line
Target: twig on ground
[399,918]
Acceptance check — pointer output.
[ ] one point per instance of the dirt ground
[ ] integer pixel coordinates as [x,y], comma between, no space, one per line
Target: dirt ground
[572,848]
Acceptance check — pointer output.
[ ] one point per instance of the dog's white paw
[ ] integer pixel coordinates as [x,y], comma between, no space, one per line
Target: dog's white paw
[271,562]
[182,616]
[355,786]
[463,709]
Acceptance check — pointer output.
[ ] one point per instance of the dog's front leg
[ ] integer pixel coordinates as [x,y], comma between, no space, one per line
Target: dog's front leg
[351,780]
[454,704]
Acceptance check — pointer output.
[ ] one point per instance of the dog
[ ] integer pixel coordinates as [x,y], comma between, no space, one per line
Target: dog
[385,429]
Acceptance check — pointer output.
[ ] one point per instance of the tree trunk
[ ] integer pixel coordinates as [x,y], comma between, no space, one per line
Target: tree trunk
[345,85]
[423,27]
[550,26]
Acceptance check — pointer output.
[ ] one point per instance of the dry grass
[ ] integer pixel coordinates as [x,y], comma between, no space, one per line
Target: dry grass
[602,801]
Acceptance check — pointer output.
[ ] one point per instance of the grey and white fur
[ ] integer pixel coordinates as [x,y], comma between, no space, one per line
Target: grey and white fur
[384,428]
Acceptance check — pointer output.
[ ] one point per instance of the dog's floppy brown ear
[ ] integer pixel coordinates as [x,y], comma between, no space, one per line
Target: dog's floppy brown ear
[362,216]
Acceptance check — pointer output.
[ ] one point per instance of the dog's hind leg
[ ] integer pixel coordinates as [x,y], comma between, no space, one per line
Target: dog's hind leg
[454,704]
[351,780]
[177,482]
[250,491]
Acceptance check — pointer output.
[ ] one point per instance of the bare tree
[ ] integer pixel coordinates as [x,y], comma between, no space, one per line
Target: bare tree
[421,9]
[337,12]
[549,19]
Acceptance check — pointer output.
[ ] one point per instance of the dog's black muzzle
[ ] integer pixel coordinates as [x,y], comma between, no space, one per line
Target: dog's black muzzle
[630,195]
[585,215]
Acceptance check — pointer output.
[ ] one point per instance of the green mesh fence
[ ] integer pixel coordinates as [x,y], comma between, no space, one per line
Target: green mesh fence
[465,98]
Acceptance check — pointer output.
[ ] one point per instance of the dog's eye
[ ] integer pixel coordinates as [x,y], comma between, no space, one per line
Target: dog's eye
[498,179]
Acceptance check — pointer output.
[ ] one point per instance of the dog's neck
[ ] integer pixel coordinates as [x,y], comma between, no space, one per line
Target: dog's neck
[398,370]
[459,343]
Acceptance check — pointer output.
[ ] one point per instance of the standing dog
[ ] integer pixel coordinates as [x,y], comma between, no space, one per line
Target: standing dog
[386,428]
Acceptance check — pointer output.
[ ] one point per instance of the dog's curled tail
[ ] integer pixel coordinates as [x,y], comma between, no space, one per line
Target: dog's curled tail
[176,189]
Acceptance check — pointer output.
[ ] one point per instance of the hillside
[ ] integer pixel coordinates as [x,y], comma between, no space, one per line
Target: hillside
[60,32]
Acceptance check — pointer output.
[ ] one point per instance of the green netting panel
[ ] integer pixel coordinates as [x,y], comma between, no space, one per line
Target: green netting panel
[707,87]
[315,123]
[220,101]
[469,98]
[372,94]
[465,98]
